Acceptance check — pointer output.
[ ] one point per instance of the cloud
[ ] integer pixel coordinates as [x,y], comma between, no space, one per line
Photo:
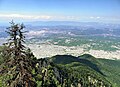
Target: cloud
[36,33]
[97,17]
[34,17]
[37,17]
[92,17]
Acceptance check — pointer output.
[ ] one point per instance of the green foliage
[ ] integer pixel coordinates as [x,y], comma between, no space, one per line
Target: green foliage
[111,70]
[1,58]
[64,59]
[87,65]
[22,69]
[18,61]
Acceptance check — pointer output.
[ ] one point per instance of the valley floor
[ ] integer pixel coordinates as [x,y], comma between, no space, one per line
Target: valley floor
[48,50]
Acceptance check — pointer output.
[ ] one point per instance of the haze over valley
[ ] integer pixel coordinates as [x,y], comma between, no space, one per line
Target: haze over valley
[47,39]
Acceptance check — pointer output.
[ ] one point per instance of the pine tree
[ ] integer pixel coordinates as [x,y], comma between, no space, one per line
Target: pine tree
[15,44]
[19,57]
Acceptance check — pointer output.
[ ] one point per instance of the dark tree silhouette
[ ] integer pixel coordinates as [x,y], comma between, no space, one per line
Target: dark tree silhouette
[19,57]
[15,44]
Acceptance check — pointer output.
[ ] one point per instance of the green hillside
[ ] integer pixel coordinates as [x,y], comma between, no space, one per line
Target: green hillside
[47,73]
[108,69]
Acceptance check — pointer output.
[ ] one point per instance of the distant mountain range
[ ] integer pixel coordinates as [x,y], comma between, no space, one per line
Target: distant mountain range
[71,23]
[68,23]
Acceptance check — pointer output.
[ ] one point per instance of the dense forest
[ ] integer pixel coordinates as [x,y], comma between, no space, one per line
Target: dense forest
[20,68]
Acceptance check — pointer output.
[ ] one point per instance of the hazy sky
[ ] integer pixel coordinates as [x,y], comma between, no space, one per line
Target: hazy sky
[65,10]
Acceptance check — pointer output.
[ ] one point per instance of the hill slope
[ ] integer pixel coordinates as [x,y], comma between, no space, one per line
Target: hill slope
[108,69]
[58,71]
